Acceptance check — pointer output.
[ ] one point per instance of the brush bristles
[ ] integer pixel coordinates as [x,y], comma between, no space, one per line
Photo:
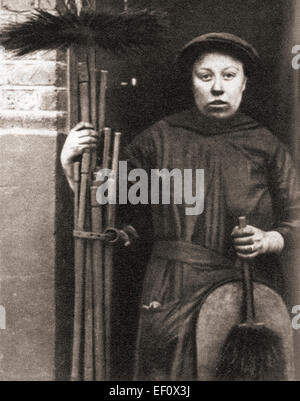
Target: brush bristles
[126,32]
[251,354]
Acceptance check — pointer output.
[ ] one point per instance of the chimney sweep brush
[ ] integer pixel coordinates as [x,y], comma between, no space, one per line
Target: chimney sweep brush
[252,351]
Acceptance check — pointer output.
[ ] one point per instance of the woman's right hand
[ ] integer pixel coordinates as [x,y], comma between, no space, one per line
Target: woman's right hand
[81,137]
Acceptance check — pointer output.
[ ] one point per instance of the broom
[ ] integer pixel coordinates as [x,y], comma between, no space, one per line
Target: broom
[127,32]
[252,351]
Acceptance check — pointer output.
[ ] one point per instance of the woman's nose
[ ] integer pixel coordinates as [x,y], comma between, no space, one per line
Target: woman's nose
[217,87]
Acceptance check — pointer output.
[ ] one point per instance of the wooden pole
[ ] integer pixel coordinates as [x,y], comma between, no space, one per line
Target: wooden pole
[88,357]
[98,290]
[102,99]
[98,272]
[79,242]
[106,148]
[93,97]
[108,257]
[72,74]
[88,361]
[76,169]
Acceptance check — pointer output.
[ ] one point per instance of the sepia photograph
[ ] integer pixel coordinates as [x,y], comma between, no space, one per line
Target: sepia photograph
[150,193]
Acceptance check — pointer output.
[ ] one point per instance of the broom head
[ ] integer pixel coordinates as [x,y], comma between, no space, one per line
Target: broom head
[252,352]
[131,31]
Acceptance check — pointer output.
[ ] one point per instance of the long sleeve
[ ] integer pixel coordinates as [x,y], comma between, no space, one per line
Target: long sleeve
[139,154]
[284,182]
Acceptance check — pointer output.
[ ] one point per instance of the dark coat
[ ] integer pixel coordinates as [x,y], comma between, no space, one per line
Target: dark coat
[247,171]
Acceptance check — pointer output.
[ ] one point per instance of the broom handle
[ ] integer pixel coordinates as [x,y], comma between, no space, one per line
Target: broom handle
[247,283]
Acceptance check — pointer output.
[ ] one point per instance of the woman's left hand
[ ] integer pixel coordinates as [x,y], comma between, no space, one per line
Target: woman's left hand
[251,241]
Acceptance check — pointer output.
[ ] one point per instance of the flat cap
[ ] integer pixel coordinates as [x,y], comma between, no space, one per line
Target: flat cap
[219,41]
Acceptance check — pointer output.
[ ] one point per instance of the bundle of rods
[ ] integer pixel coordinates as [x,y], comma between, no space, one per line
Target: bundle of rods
[93,256]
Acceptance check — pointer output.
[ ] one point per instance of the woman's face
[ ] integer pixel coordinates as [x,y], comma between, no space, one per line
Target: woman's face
[218,84]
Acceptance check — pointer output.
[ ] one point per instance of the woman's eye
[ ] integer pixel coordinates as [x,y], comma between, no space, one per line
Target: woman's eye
[229,75]
[205,77]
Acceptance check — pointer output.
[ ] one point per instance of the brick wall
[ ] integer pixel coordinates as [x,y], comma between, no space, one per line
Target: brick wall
[33,99]
[33,88]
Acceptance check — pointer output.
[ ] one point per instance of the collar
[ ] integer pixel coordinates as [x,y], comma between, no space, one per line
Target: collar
[192,119]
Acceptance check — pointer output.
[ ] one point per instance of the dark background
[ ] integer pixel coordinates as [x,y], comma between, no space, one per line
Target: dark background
[159,92]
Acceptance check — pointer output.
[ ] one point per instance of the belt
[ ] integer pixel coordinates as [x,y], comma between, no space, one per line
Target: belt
[192,254]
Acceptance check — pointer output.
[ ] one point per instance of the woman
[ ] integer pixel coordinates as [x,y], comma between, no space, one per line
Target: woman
[246,172]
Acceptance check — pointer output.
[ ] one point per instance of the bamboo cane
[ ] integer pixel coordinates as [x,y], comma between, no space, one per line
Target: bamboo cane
[98,273]
[111,207]
[105,165]
[89,365]
[88,110]
[76,169]
[73,116]
[89,275]
[98,290]
[79,242]
[88,357]
[79,219]
[102,99]
[93,94]
[106,148]
[108,257]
